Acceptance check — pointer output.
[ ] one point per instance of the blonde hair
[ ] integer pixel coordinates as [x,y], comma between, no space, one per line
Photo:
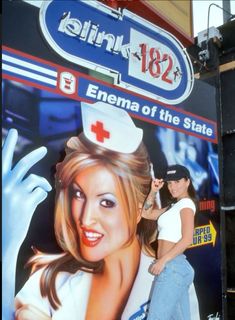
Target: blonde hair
[132,174]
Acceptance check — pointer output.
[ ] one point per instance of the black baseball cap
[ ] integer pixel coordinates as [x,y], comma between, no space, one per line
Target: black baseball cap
[176,172]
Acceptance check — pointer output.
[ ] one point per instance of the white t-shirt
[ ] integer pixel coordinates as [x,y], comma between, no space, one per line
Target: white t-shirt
[169,223]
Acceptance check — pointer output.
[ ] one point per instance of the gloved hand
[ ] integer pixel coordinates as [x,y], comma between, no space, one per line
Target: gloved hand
[20,195]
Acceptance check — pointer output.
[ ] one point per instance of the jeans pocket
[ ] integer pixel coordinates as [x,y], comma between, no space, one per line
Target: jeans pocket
[183,274]
[163,276]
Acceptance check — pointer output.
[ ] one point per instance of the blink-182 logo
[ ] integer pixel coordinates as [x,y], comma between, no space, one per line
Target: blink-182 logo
[138,55]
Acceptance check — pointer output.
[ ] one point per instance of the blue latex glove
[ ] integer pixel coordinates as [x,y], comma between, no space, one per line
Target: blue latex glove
[20,197]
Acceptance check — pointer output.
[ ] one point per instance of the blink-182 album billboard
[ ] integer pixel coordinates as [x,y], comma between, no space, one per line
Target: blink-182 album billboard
[79,154]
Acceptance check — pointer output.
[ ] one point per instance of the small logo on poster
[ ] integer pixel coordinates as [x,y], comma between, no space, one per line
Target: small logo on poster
[67,82]
[214,316]
[141,314]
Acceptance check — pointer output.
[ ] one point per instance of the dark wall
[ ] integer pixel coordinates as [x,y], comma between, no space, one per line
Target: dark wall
[228,134]
[228,181]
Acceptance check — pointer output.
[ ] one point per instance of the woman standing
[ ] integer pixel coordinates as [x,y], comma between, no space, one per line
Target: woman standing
[173,273]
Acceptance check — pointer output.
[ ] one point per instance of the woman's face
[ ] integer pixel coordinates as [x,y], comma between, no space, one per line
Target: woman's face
[179,188]
[98,212]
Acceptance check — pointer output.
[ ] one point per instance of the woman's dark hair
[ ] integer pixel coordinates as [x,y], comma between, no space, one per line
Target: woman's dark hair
[169,200]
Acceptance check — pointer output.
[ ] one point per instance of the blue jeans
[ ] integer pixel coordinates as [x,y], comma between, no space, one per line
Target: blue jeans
[170,297]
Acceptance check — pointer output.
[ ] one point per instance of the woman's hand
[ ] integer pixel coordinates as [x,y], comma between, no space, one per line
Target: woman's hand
[156,185]
[20,195]
[30,312]
[157,266]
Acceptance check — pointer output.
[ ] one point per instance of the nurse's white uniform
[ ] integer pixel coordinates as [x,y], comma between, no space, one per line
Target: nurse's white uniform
[73,291]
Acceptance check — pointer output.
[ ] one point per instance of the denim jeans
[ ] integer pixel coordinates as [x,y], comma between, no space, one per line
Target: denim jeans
[170,297]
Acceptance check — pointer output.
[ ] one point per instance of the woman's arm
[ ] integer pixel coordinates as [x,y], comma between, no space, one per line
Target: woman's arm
[187,220]
[149,210]
[20,197]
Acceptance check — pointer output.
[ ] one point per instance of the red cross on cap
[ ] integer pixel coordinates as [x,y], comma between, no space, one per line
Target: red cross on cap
[100,132]
[109,126]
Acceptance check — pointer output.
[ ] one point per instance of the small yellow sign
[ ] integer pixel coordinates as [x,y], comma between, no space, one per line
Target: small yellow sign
[204,235]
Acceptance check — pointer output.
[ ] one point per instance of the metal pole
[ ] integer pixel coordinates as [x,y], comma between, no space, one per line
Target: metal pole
[227,10]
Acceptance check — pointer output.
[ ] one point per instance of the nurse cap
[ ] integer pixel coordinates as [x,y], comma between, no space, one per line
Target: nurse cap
[110,127]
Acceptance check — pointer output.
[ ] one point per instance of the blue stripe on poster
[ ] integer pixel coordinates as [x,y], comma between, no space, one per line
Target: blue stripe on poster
[150,110]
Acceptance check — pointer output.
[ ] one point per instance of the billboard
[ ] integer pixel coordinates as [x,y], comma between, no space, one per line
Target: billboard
[137,54]
[48,104]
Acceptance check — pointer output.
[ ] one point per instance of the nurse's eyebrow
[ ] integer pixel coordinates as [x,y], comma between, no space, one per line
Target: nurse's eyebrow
[105,194]
[76,185]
